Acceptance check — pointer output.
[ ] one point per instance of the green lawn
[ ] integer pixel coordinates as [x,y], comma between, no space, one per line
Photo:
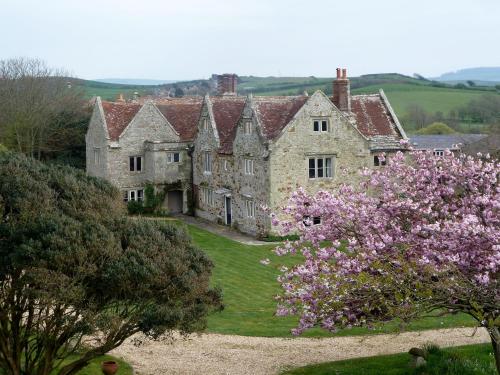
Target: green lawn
[94,368]
[461,360]
[249,287]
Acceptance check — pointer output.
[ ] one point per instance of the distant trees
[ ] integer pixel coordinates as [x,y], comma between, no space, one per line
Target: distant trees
[484,109]
[41,114]
[417,116]
[436,128]
[77,277]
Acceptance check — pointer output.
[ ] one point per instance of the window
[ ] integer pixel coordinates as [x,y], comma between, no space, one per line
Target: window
[208,162]
[316,220]
[321,167]
[173,157]
[320,126]
[97,156]
[135,163]
[379,160]
[248,127]
[248,166]
[205,124]
[133,195]
[207,196]
[438,152]
[250,208]
[225,165]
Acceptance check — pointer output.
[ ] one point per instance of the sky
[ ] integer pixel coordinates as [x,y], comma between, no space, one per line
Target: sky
[190,39]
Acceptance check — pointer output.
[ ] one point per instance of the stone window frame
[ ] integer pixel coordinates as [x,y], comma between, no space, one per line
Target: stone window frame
[207,162]
[379,163]
[438,152]
[249,166]
[135,163]
[324,167]
[247,127]
[136,194]
[316,220]
[250,208]
[320,121]
[171,157]
[207,196]
[97,156]
[205,124]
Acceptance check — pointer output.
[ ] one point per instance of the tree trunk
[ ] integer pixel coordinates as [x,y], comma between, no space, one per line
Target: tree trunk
[495,342]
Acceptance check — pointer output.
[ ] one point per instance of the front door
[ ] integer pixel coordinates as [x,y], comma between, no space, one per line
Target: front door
[228,210]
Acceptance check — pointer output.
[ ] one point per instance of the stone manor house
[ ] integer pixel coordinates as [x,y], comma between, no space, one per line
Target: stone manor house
[225,157]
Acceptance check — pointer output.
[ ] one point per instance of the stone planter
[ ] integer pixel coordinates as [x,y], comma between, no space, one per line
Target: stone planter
[109,367]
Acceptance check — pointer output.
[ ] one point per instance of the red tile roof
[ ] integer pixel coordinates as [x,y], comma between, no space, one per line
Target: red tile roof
[275,112]
[118,116]
[372,116]
[182,113]
[227,111]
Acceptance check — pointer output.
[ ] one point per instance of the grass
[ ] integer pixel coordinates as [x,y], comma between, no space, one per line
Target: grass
[462,360]
[249,289]
[432,99]
[94,368]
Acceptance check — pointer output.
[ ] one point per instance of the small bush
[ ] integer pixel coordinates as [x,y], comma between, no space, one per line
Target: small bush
[452,363]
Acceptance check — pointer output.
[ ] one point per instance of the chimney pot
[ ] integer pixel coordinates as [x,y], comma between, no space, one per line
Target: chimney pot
[226,84]
[342,91]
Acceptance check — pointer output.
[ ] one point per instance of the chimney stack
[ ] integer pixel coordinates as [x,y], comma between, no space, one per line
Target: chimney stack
[227,84]
[342,91]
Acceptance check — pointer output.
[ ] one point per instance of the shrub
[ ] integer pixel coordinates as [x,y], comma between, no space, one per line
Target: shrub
[73,266]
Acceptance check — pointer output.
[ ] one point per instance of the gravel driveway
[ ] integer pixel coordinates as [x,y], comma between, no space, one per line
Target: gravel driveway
[225,354]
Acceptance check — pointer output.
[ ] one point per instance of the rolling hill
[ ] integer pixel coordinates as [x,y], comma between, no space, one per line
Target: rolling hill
[401,90]
[485,75]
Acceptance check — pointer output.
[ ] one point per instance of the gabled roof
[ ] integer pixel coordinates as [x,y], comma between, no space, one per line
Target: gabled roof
[275,112]
[444,141]
[118,116]
[227,111]
[182,113]
[372,117]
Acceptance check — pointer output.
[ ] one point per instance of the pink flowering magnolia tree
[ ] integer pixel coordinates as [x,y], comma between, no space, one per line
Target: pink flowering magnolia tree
[421,234]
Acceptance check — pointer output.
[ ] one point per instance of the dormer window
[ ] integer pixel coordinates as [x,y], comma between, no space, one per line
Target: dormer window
[320,125]
[438,152]
[248,127]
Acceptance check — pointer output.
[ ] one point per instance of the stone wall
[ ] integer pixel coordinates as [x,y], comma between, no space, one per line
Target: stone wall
[289,155]
[254,187]
[150,136]
[207,140]
[95,139]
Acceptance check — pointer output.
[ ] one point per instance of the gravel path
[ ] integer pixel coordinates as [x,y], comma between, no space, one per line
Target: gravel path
[225,354]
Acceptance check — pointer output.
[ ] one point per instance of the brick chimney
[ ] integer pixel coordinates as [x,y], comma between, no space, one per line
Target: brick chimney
[342,91]
[227,84]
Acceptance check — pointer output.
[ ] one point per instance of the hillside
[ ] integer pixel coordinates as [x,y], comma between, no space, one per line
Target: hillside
[402,91]
[486,74]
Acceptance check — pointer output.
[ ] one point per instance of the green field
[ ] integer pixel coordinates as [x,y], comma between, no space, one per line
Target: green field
[432,99]
[249,288]
[402,91]
[461,360]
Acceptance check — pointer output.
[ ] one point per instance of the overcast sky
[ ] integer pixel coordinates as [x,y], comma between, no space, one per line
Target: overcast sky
[187,39]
